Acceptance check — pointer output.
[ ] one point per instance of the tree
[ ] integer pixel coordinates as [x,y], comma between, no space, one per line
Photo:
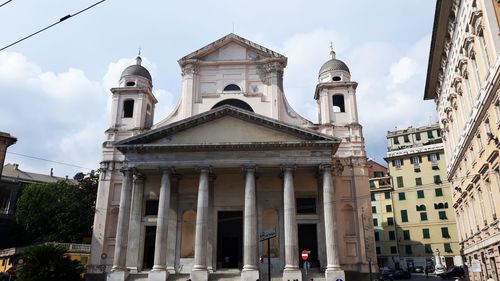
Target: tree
[48,262]
[62,211]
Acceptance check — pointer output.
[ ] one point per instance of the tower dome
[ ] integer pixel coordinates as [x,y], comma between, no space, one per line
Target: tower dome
[136,75]
[334,70]
[136,69]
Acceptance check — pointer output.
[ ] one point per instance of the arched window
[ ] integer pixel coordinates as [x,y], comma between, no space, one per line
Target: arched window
[128,108]
[338,103]
[270,221]
[148,116]
[234,102]
[232,87]
[350,219]
[187,235]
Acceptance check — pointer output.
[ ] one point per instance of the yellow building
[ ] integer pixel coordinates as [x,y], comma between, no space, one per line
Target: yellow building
[383,215]
[9,257]
[463,78]
[423,213]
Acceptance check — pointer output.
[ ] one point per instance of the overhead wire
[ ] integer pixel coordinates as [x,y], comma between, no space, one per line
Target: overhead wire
[47,160]
[5,3]
[50,26]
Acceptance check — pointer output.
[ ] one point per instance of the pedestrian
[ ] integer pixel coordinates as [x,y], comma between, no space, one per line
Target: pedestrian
[490,278]
[426,272]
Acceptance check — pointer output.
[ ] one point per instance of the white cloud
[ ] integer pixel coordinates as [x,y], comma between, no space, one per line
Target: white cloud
[403,70]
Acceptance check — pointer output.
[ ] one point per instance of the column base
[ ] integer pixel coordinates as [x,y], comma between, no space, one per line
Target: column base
[334,275]
[292,275]
[158,275]
[117,275]
[199,275]
[171,269]
[249,275]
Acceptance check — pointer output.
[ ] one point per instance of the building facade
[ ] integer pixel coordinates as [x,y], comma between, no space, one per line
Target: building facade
[463,79]
[423,213]
[190,194]
[383,215]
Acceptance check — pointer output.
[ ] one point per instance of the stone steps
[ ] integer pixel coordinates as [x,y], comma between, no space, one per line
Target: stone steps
[225,275]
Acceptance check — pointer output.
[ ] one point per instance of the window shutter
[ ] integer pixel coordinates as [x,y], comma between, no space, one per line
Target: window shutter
[411,160]
[429,157]
[419,159]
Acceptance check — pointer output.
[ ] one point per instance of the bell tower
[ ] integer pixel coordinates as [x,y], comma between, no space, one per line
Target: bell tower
[336,94]
[133,103]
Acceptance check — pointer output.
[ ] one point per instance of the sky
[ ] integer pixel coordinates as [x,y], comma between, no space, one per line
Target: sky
[54,87]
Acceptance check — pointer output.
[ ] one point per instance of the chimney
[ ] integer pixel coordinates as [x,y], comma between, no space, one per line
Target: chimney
[16,166]
[51,172]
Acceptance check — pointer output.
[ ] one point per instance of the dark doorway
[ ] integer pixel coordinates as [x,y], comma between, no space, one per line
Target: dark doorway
[229,239]
[149,247]
[308,240]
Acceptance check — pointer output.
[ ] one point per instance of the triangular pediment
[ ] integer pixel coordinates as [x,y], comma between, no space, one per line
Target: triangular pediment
[232,47]
[224,127]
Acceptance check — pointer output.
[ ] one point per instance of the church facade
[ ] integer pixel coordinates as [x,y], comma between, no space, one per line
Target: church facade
[192,193]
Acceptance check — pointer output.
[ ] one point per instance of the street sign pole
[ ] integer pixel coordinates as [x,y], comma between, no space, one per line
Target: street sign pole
[269,259]
[268,235]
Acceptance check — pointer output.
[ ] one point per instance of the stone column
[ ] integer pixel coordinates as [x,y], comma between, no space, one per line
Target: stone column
[250,270]
[211,254]
[159,272]
[292,271]
[333,270]
[119,271]
[172,261]
[134,229]
[199,271]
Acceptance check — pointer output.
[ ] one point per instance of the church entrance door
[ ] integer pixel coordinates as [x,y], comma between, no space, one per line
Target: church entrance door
[229,239]
[308,240]
[149,247]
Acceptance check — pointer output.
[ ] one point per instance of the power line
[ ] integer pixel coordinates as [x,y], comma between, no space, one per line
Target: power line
[47,160]
[56,23]
[3,4]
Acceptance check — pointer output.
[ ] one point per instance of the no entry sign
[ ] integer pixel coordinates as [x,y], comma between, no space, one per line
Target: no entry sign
[305,255]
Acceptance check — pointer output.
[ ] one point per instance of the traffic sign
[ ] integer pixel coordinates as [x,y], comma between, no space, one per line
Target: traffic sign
[267,234]
[305,255]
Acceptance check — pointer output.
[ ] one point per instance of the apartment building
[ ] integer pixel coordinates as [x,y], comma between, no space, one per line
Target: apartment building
[423,216]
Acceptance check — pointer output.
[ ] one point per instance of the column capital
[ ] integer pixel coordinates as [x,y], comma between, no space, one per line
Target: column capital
[126,171]
[168,169]
[138,177]
[325,167]
[204,169]
[337,168]
[288,167]
[249,168]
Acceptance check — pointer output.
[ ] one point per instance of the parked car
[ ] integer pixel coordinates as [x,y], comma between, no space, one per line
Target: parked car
[455,271]
[401,274]
[418,269]
[439,269]
[386,273]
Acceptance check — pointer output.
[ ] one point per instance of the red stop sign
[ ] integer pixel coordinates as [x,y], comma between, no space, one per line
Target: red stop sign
[305,255]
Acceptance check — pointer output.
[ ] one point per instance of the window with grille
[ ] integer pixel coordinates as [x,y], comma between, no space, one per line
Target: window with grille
[399,181]
[404,215]
[444,232]
[406,235]
[388,208]
[447,248]
[420,194]
[402,196]
[392,235]
[442,215]
[439,192]
[425,233]
[423,216]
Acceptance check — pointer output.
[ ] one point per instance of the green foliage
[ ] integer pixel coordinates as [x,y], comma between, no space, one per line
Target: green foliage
[61,211]
[47,262]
